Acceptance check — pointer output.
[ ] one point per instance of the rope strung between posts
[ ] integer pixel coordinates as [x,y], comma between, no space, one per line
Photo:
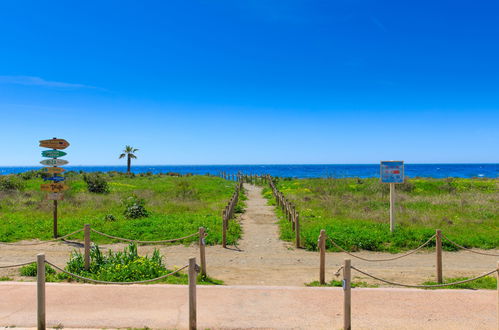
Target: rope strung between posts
[144,242]
[388,259]
[469,250]
[86,279]
[423,286]
[18,265]
[337,273]
[44,242]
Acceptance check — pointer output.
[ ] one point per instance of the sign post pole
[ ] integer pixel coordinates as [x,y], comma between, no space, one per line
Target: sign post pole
[55,219]
[392,207]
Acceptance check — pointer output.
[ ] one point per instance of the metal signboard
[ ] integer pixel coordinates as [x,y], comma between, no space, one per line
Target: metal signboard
[54,144]
[53,153]
[392,171]
[54,162]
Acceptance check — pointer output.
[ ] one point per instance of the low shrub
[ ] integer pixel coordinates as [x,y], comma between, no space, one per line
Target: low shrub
[96,183]
[11,183]
[135,208]
[32,270]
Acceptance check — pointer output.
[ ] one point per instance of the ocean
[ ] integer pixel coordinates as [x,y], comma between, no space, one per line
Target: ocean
[297,171]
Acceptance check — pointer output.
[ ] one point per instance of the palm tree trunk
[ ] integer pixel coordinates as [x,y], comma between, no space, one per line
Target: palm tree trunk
[129,161]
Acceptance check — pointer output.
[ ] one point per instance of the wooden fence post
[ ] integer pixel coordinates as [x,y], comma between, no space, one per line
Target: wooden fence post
[86,232]
[202,251]
[322,252]
[297,230]
[438,248]
[224,228]
[347,295]
[192,294]
[40,290]
[498,294]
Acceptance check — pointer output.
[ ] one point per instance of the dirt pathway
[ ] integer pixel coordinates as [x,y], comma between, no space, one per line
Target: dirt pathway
[262,259]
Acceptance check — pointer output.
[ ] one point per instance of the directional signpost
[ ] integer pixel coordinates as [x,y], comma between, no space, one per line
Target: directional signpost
[56,185]
[392,172]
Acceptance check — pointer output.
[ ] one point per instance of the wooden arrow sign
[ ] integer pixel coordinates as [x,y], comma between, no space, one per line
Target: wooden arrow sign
[54,144]
[53,153]
[54,187]
[55,196]
[54,170]
[54,162]
[55,178]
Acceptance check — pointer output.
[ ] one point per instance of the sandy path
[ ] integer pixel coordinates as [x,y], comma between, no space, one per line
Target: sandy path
[246,307]
[262,259]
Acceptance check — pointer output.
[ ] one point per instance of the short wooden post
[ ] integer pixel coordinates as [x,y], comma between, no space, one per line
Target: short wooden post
[202,253]
[392,207]
[322,253]
[438,248]
[40,290]
[55,220]
[297,230]
[86,232]
[224,228]
[192,294]
[498,295]
[347,295]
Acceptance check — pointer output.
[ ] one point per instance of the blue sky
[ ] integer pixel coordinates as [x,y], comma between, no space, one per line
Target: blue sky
[251,82]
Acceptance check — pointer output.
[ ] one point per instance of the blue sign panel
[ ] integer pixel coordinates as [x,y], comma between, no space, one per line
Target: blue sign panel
[55,178]
[392,171]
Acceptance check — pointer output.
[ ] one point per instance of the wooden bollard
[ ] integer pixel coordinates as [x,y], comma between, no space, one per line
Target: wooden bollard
[202,250]
[224,229]
[347,295]
[40,291]
[192,294]
[322,256]
[86,240]
[438,248]
[297,230]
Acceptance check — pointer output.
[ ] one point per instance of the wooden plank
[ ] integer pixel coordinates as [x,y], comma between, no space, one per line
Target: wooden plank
[192,294]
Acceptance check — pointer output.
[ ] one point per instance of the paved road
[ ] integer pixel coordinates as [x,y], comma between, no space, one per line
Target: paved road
[246,307]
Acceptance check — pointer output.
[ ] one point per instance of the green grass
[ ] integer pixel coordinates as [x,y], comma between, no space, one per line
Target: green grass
[487,282]
[177,207]
[5,278]
[355,212]
[336,283]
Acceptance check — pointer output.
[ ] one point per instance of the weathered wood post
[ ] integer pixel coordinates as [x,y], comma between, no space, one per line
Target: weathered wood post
[347,295]
[297,230]
[40,290]
[192,294]
[322,253]
[224,228]
[498,294]
[438,248]
[202,250]
[86,233]
[55,219]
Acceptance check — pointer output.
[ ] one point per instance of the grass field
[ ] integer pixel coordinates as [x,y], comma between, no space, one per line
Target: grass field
[176,207]
[355,212]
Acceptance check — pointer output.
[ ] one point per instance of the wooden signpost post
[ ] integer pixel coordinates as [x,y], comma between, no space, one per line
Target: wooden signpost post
[56,185]
[392,172]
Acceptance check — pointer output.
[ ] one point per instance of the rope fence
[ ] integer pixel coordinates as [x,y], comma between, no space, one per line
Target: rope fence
[145,242]
[17,265]
[467,249]
[41,280]
[44,242]
[229,210]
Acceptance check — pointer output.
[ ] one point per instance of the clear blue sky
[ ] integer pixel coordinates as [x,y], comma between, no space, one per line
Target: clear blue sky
[248,82]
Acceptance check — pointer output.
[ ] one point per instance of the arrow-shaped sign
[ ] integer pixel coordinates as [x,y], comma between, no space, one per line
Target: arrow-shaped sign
[53,153]
[53,187]
[54,144]
[55,178]
[54,170]
[55,196]
[54,162]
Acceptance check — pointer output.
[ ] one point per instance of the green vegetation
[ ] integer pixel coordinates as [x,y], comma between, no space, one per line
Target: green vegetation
[336,283]
[126,266]
[6,278]
[355,212]
[487,282]
[176,207]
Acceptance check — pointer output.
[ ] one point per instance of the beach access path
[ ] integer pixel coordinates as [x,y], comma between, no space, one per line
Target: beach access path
[261,258]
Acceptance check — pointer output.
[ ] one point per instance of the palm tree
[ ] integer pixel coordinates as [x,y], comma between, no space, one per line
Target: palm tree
[129,153]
